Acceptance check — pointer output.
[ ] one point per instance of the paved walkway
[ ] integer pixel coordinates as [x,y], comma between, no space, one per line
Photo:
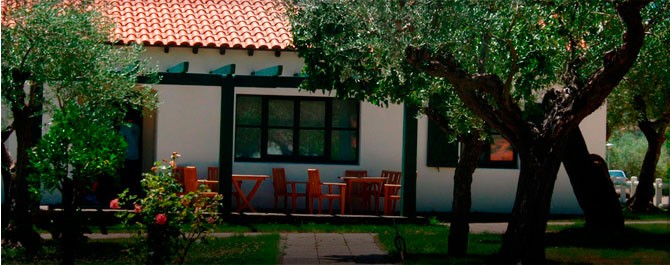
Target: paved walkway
[331,248]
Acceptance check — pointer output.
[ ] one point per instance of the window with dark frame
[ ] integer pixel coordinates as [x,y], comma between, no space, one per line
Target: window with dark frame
[296,129]
[442,153]
[499,154]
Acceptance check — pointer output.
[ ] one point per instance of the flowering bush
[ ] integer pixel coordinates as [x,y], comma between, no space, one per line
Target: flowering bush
[169,221]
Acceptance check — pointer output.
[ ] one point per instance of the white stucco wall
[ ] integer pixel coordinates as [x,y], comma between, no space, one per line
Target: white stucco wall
[188,120]
[189,116]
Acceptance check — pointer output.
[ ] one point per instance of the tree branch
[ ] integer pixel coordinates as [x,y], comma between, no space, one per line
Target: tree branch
[616,65]
[472,89]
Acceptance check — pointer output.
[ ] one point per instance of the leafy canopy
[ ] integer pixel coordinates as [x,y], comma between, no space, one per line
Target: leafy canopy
[649,79]
[66,45]
[358,47]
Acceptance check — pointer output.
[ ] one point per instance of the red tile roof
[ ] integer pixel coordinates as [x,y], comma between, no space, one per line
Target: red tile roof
[247,24]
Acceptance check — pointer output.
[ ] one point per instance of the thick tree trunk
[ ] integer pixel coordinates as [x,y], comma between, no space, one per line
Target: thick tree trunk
[28,128]
[655,135]
[524,239]
[22,223]
[592,186]
[473,147]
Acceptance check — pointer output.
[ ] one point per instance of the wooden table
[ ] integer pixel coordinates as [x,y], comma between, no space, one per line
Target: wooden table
[368,184]
[245,199]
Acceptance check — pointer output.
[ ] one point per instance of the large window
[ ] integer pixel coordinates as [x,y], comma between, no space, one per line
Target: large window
[296,129]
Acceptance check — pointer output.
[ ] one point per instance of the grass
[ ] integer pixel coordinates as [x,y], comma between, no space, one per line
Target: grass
[426,244]
[260,249]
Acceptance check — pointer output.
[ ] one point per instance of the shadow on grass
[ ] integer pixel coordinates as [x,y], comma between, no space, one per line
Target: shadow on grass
[630,238]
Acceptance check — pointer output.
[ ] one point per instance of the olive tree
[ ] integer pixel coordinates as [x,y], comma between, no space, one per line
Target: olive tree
[532,70]
[373,68]
[55,53]
[643,99]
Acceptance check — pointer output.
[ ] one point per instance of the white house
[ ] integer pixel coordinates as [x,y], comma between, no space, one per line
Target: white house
[252,38]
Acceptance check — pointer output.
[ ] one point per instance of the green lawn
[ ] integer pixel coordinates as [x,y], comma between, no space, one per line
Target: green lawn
[426,244]
[261,249]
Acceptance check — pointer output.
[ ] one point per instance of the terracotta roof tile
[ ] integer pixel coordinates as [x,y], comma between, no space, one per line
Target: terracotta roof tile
[248,24]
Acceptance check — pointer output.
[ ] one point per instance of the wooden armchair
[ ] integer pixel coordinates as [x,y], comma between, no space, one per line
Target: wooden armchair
[213,183]
[314,192]
[191,183]
[390,191]
[178,174]
[280,185]
[213,178]
[357,190]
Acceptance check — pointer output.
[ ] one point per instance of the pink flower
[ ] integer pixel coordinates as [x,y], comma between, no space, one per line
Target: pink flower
[138,208]
[114,204]
[211,220]
[161,219]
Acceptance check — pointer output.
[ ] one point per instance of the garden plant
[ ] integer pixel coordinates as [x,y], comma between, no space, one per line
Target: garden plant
[168,222]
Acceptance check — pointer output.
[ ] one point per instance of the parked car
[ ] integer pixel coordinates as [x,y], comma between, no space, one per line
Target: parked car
[618,177]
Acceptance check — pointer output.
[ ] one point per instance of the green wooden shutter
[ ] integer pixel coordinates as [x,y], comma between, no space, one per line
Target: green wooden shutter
[441,153]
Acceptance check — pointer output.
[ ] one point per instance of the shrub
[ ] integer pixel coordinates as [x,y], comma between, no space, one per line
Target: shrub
[169,222]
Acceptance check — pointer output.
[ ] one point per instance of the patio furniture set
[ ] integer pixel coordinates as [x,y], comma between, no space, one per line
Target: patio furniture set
[356,192]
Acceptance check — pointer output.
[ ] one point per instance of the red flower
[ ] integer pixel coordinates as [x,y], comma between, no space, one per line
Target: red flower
[114,204]
[211,220]
[161,219]
[138,208]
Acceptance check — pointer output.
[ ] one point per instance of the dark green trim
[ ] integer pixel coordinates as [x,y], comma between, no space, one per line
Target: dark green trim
[179,68]
[217,80]
[226,142]
[270,71]
[409,154]
[224,70]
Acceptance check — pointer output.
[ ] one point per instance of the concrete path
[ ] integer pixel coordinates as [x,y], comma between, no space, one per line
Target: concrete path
[331,248]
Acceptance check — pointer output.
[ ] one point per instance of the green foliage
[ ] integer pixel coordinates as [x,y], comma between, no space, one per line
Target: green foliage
[66,46]
[627,152]
[649,79]
[169,222]
[81,144]
[356,50]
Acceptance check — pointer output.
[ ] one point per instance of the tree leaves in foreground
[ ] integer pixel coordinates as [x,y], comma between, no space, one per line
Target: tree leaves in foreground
[643,99]
[502,59]
[55,53]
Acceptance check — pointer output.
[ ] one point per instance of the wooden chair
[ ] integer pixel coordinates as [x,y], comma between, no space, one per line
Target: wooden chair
[213,175]
[358,190]
[280,185]
[178,174]
[314,192]
[390,191]
[191,182]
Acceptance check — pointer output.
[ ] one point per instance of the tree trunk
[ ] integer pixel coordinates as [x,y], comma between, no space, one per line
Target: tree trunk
[70,231]
[467,163]
[524,239]
[655,135]
[22,225]
[7,179]
[27,125]
[592,186]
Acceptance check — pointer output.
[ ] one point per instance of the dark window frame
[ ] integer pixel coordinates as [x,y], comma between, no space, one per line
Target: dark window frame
[295,157]
[442,153]
[486,162]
